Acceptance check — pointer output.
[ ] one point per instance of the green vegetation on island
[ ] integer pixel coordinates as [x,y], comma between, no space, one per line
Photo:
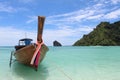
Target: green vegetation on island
[105,34]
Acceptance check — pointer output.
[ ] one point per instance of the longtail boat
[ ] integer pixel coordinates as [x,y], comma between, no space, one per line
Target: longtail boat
[29,53]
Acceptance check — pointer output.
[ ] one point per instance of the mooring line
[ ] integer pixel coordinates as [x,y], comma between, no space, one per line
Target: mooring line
[62,71]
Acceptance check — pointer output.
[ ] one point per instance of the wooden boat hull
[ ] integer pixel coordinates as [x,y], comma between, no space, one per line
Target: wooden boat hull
[25,54]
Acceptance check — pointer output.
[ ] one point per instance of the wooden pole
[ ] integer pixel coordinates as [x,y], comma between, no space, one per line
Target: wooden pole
[41,20]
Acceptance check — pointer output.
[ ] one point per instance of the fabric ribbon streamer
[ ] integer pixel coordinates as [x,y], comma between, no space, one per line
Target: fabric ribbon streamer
[36,55]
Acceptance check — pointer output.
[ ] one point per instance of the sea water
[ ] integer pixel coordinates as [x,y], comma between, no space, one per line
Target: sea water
[66,63]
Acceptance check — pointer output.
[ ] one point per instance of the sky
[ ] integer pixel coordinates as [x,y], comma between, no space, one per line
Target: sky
[65,20]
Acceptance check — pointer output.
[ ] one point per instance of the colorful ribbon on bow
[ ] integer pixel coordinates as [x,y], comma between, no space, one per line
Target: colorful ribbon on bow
[36,56]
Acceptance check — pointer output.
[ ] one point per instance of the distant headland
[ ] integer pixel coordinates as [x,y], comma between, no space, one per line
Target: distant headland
[105,34]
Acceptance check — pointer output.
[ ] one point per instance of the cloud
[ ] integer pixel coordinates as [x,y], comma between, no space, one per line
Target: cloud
[10,36]
[26,1]
[72,17]
[31,19]
[97,12]
[94,12]
[115,1]
[6,8]
[96,16]
[66,35]
[113,14]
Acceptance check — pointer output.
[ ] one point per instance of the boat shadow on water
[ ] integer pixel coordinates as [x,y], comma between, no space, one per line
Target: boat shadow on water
[27,73]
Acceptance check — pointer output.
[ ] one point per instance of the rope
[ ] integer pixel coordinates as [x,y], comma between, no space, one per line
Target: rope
[58,68]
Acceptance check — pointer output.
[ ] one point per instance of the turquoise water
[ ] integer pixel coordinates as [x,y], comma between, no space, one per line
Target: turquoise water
[66,63]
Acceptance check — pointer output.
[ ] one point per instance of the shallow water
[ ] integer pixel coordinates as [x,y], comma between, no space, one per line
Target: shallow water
[66,63]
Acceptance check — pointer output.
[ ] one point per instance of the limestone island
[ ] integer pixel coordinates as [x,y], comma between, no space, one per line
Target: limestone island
[105,34]
[56,43]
